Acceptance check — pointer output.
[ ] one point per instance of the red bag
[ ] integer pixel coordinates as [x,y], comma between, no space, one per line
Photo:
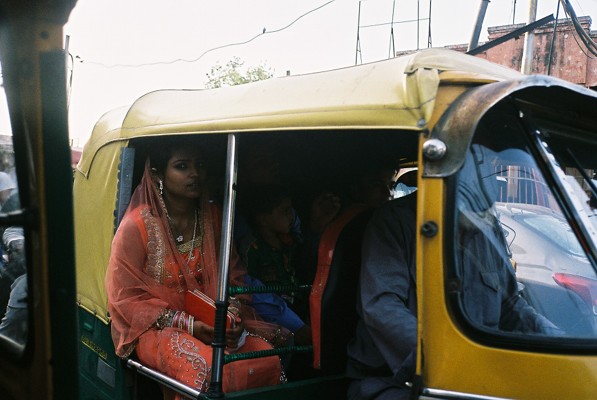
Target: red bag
[203,308]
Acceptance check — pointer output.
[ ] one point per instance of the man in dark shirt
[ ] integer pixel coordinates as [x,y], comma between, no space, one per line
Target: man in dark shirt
[382,356]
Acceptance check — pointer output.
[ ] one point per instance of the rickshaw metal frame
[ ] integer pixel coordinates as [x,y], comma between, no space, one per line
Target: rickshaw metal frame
[457,127]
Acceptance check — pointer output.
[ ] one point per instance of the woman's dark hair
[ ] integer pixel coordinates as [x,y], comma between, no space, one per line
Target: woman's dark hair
[160,150]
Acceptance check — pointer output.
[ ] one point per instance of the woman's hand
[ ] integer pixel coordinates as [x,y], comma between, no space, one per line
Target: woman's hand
[203,332]
[234,334]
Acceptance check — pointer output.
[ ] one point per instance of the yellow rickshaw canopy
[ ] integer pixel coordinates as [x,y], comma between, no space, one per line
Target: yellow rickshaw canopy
[399,93]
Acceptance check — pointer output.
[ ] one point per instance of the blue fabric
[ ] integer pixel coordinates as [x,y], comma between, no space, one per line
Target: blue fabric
[272,308]
[490,296]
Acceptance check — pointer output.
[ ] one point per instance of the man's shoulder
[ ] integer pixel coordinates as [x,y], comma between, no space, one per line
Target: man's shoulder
[405,204]
[395,213]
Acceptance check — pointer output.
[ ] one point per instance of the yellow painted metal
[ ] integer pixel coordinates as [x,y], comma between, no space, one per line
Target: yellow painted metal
[106,130]
[408,93]
[452,361]
[28,29]
[394,94]
[94,214]
[94,228]
[397,93]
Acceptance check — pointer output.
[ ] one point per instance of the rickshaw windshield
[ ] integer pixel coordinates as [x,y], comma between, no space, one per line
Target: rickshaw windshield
[523,257]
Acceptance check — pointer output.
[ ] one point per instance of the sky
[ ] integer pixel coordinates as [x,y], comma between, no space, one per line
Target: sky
[122,49]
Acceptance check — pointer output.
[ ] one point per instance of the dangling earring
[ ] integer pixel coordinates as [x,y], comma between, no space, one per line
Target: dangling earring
[161,187]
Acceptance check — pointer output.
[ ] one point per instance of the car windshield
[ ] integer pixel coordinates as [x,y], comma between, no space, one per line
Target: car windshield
[554,229]
[523,246]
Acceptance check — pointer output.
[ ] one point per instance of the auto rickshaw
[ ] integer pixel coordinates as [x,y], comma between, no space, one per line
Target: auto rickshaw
[463,122]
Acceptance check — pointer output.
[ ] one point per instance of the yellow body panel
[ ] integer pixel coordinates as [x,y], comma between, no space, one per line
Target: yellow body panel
[410,93]
[396,93]
[452,361]
[400,93]
[96,228]
[30,33]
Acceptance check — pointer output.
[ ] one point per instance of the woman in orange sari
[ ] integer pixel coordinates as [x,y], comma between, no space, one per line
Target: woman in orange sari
[164,246]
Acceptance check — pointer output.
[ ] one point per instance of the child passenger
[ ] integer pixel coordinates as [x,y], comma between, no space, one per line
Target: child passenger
[271,254]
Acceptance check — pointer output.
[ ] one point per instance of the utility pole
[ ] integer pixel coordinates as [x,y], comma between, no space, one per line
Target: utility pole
[478,25]
[358,50]
[529,41]
[69,81]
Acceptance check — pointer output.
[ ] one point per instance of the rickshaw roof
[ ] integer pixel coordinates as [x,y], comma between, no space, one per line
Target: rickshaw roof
[398,93]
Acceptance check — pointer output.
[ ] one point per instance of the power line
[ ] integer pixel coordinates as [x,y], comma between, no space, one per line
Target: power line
[404,21]
[581,34]
[265,32]
[392,44]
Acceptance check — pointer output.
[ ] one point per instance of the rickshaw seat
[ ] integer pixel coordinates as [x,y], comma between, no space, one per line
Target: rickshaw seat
[333,296]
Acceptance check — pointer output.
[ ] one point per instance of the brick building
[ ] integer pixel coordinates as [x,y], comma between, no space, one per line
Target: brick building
[571,60]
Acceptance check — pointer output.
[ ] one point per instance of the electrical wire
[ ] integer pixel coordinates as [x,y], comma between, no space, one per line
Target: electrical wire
[580,33]
[580,46]
[404,21]
[265,32]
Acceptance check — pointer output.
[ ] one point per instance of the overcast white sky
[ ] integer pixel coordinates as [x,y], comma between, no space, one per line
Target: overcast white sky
[104,35]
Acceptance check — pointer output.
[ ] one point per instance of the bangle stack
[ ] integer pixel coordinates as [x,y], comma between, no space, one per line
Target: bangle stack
[176,319]
[183,321]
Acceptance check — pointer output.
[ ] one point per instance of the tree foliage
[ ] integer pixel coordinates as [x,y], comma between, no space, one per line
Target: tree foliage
[233,73]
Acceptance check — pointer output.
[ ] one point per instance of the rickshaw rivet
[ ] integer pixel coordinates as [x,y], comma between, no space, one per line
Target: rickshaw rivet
[429,229]
[421,123]
[434,149]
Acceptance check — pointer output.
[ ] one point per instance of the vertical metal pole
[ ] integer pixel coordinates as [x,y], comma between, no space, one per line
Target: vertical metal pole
[429,44]
[69,81]
[358,49]
[478,25]
[529,41]
[553,40]
[66,44]
[219,342]
[418,21]
[392,49]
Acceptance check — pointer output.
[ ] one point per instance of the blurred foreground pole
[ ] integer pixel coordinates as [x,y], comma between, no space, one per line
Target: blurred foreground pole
[529,41]
[478,25]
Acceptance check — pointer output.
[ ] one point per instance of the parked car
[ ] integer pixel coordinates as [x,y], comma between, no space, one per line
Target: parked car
[558,281]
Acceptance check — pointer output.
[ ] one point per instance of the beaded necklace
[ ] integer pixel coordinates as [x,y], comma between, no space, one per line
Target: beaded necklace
[180,237]
[191,255]
[188,247]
